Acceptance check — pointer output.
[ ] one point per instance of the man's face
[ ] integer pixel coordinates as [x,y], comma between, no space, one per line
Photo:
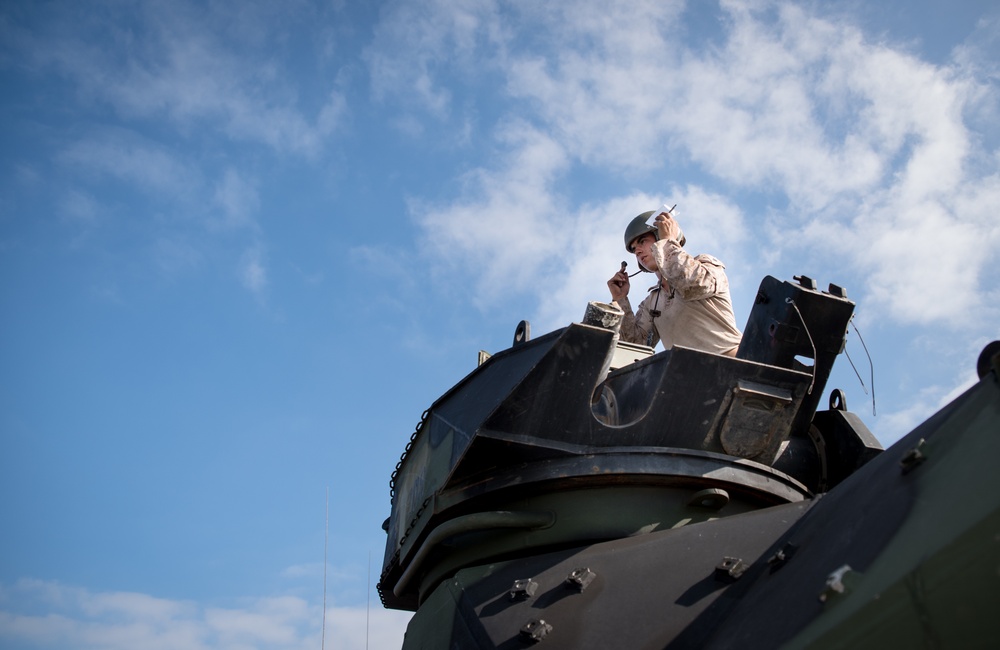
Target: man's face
[642,246]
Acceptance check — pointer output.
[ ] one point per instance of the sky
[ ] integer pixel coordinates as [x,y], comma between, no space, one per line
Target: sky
[244,245]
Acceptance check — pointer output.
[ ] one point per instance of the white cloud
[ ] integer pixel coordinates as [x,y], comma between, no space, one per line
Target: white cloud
[509,226]
[272,622]
[80,618]
[414,42]
[602,77]
[237,199]
[190,66]
[177,80]
[792,142]
[923,405]
[133,159]
[253,272]
[81,208]
[868,146]
[311,570]
[592,246]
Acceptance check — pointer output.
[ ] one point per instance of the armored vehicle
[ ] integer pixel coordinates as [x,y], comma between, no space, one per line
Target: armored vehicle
[577,491]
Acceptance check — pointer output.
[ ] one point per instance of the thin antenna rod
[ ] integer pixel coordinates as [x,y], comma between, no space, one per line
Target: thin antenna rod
[871,364]
[326,542]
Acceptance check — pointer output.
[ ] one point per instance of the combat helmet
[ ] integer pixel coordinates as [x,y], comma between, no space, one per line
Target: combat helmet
[638,227]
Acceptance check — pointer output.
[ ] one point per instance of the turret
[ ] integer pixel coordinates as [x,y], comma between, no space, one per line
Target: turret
[575,437]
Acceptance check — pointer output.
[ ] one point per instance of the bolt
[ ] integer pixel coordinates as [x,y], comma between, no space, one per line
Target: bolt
[535,631]
[523,589]
[913,457]
[580,578]
[730,569]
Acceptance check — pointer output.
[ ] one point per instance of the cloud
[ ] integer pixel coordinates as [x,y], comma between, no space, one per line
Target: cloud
[80,208]
[923,405]
[165,100]
[414,43]
[253,273]
[236,197]
[311,570]
[76,617]
[187,64]
[979,55]
[130,158]
[850,151]
[793,142]
[592,244]
[509,225]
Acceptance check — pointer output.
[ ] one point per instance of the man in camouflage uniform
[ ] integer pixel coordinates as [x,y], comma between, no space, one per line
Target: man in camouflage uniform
[690,306]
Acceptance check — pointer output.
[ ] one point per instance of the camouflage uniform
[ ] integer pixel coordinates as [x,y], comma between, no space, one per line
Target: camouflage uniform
[695,311]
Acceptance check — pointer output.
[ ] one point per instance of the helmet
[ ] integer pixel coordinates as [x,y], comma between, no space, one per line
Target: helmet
[638,227]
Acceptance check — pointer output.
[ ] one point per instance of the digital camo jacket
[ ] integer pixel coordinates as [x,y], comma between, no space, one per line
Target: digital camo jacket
[694,310]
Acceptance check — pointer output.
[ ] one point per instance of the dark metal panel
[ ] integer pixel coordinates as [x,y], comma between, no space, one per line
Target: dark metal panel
[789,322]
[448,429]
[854,525]
[645,589]
[678,398]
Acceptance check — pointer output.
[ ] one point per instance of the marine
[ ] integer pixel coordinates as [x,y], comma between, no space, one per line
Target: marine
[689,306]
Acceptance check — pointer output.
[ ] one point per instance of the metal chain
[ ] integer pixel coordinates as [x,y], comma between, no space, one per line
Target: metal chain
[394,560]
[402,457]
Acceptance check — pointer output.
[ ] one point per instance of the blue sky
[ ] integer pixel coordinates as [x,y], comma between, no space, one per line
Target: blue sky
[244,245]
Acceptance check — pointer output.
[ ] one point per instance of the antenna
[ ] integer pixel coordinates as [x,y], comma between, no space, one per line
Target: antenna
[326,541]
[871,364]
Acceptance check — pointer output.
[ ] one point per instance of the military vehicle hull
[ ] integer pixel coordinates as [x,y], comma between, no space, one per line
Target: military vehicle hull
[576,492]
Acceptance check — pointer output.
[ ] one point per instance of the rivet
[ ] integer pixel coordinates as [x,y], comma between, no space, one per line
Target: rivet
[523,589]
[835,583]
[730,569]
[580,578]
[535,631]
[913,457]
